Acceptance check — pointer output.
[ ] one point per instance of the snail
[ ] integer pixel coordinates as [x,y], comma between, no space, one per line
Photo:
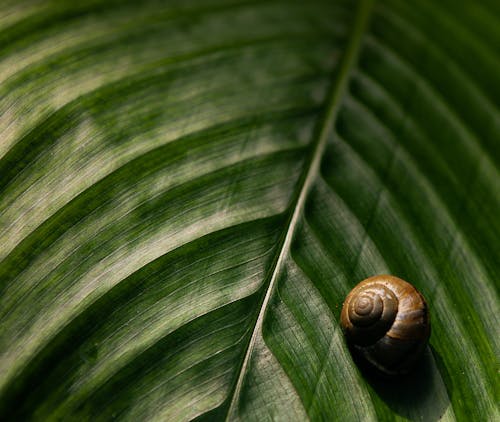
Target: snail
[386,322]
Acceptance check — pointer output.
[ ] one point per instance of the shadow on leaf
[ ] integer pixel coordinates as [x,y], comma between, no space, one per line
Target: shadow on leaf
[420,395]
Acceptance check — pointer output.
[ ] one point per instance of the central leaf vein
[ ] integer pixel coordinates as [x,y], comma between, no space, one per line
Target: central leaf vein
[309,174]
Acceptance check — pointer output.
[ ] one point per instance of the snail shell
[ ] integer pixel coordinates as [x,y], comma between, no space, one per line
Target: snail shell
[386,322]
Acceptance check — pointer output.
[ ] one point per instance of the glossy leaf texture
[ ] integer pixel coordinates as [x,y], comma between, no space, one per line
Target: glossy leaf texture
[190,188]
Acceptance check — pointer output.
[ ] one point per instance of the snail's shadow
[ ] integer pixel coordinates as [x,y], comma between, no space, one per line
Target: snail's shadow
[419,395]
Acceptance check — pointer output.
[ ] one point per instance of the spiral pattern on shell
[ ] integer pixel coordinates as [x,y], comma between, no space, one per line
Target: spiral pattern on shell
[386,321]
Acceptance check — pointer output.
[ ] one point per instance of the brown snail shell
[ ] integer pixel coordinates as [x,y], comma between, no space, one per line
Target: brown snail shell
[386,322]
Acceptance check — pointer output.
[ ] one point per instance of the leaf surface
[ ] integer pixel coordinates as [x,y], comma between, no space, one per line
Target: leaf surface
[189,189]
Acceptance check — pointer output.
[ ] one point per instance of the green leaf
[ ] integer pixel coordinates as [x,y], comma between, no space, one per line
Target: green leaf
[189,189]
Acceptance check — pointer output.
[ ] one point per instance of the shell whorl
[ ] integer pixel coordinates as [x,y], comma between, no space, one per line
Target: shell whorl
[370,312]
[386,320]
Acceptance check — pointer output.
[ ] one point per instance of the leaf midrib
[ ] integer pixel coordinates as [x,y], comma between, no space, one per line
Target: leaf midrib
[309,174]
